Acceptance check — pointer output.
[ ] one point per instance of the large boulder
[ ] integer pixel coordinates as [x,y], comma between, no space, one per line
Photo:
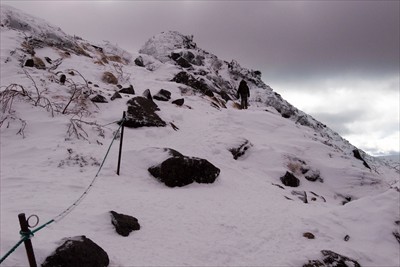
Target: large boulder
[124,224]
[78,251]
[180,170]
[141,113]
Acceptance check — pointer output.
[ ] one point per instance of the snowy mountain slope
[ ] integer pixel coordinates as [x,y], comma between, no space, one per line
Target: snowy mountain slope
[244,218]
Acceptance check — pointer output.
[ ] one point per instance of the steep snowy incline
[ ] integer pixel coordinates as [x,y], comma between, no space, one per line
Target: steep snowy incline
[247,217]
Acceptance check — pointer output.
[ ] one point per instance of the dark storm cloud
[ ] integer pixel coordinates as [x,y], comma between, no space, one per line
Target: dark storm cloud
[343,53]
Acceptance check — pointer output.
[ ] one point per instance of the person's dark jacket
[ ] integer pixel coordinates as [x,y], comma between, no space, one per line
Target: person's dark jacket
[243,90]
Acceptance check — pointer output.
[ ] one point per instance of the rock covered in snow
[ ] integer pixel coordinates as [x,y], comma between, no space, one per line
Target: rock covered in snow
[141,113]
[124,224]
[180,170]
[162,95]
[78,251]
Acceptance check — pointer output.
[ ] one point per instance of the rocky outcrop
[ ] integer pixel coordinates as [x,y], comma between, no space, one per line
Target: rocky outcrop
[141,113]
[78,251]
[197,84]
[332,259]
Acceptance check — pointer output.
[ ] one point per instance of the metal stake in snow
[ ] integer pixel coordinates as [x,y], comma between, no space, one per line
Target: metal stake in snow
[120,141]
[28,243]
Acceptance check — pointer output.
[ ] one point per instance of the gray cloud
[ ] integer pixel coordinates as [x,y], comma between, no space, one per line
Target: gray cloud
[343,53]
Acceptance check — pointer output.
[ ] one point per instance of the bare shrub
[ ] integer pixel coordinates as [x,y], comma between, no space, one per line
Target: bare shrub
[108,77]
[122,76]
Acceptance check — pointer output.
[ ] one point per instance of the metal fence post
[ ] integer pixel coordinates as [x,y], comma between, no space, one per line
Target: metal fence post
[28,244]
[120,142]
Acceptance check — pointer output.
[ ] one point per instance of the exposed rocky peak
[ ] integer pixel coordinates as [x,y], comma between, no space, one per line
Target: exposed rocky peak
[161,45]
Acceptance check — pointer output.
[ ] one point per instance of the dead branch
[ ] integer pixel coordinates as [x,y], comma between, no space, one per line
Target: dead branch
[76,128]
[11,117]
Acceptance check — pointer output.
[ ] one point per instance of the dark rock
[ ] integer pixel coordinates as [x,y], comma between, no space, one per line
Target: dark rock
[309,235]
[183,62]
[29,63]
[71,72]
[128,90]
[175,55]
[290,180]
[89,82]
[347,238]
[115,96]
[119,86]
[178,102]
[124,224]
[139,61]
[78,251]
[163,95]
[96,85]
[62,79]
[147,94]
[357,155]
[183,170]
[141,113]
[99,99]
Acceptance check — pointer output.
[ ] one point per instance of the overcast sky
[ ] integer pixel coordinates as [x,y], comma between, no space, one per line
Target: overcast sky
[336,60]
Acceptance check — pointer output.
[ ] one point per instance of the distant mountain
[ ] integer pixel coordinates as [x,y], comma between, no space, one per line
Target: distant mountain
[210,184]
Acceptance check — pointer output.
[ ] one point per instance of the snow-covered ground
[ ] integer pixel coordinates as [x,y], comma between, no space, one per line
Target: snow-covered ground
[243,219]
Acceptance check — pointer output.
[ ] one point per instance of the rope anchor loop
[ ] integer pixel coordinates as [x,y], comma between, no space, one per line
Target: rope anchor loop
[36,220]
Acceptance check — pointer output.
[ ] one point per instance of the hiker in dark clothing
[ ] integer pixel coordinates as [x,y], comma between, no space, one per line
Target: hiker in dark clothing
[244,93]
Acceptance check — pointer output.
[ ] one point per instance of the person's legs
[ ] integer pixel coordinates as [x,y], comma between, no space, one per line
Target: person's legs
[243,103]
